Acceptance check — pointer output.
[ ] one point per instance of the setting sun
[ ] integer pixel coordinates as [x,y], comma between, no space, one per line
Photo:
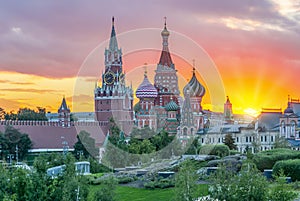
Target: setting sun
[251,112]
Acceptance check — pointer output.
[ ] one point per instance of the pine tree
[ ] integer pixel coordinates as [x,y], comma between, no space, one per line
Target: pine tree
[229,141]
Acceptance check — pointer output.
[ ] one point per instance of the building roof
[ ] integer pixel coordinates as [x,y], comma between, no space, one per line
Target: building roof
[294,143]
[296,107]
[269,120]
[232,128]
[113,43]
[146,89]
[194,87]
[51,137]
[171,106]
[63,106]
[165,57]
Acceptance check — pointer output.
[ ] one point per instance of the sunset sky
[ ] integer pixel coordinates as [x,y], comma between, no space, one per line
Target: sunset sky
[246,49]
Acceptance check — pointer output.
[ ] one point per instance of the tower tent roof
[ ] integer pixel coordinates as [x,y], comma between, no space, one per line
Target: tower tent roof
[165,57]
[113,43]
[63,106]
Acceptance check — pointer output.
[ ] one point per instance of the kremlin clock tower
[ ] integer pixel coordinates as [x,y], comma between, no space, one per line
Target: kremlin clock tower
[114,99]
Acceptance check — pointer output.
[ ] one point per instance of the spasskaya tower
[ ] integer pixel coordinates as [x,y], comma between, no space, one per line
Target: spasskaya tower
[113,98]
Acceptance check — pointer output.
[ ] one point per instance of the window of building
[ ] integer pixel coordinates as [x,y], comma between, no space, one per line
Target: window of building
[246,139]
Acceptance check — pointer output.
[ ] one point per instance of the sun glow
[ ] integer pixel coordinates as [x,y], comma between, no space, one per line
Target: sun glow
[251,112]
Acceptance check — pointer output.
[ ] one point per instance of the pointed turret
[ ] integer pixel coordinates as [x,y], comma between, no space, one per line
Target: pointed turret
[63,106]
[64,114]
[228,116]
[165,57]
[113,43]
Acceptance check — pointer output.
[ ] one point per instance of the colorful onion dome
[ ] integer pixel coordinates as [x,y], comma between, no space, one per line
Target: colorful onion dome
[146,89]
[194,88]
[171,106]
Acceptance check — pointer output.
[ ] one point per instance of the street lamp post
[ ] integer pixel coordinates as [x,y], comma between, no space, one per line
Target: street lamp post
[17,155]
[80,153]
[10,157]
[1,151]
[77,193]
[65,145]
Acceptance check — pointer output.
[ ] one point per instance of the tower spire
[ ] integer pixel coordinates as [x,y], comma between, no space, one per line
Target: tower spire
[113,44]
[165,58]
[194,67]
[145,67]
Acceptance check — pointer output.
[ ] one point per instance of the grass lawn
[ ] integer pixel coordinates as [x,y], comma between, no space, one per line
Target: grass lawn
[125,193]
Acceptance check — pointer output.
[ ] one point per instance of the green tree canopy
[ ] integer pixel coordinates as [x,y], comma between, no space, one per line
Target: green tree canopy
[27,114]
[85,145]
[13,140]
[185,182]
[230,142]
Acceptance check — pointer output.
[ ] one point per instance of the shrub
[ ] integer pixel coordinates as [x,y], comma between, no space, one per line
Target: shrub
[290,168]
[280,191]
[248,185]
[125,180]
[267,159]
[219,150]
[160,183]
[233,152]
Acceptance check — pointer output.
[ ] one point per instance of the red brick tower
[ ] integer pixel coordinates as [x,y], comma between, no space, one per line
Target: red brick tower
[114,98]
[64,114]
[166,80]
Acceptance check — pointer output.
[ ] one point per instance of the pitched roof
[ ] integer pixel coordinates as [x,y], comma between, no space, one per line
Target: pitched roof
[51,137]
[165,59]
[63,106]
[269,120]
[113,43]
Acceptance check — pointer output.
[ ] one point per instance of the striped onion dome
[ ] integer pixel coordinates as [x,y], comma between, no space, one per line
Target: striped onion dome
[171,106]
[146,89]
[194,87]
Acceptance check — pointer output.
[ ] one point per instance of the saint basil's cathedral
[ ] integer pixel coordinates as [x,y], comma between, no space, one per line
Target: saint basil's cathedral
[160,105]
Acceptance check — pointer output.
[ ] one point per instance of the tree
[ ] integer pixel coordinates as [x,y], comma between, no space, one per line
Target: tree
[12,139]
[194,147]
[229,141]
[27,114]
[185,182]
[107,190]
[248,185]
[279,192]
[85,145]
[2,113]
[280,142]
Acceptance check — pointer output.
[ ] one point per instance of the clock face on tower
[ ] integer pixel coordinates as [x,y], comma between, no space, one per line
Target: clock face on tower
[109,77]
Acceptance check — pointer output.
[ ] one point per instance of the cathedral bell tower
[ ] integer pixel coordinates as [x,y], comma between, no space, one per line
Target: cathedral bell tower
[166,80]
